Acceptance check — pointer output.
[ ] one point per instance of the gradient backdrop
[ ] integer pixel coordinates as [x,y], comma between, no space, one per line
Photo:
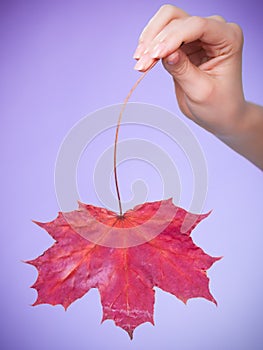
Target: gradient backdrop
[60,61]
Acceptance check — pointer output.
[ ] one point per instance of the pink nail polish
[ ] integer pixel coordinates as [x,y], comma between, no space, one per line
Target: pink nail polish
[157,50]
[139,65]
[139,51]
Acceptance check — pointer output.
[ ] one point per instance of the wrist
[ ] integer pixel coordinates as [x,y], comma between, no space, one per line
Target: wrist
[246,137]
[236,119]
[247,119]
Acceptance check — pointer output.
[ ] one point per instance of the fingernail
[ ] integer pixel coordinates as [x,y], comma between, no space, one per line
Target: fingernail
[139,51]
[173,59]
[139,65]
[157,50]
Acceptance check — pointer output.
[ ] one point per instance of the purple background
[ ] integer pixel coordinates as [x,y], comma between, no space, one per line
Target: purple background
[61,60]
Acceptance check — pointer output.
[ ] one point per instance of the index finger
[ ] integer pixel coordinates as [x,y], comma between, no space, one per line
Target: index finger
[163,16]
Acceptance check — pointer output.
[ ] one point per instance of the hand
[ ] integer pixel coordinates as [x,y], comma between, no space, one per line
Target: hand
[206,69]
[204,57]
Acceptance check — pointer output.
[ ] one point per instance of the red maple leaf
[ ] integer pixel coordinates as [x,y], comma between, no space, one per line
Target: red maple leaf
[124,256]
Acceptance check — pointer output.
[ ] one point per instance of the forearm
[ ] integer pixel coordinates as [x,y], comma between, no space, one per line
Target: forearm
[248,136]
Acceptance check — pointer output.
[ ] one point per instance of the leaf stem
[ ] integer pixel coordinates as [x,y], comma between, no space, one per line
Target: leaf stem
[117,134]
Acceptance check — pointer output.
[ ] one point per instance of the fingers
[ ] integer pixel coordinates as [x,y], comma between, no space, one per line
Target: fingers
[214,33]
[162,17]
[156,24]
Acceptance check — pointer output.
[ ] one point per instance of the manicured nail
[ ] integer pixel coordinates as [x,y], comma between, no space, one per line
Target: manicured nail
[157,50]
[139,51]
[144,62]
[139,65]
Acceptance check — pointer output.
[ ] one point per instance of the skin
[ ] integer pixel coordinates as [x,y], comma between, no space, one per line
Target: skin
[204,58]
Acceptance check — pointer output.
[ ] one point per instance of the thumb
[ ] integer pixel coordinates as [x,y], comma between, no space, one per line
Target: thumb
[195,83]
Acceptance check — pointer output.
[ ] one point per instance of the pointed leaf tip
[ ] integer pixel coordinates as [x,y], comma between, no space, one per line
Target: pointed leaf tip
[130,333]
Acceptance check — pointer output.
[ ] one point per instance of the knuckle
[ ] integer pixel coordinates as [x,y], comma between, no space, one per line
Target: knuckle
[218,18]
[169,11]
[198,21]
[238,36]
[238,30]
[167,8]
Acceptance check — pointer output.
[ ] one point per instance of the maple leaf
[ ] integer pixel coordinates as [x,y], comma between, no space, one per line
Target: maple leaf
[124,257]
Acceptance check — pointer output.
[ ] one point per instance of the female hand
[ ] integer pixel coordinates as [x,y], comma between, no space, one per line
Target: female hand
[204,57]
